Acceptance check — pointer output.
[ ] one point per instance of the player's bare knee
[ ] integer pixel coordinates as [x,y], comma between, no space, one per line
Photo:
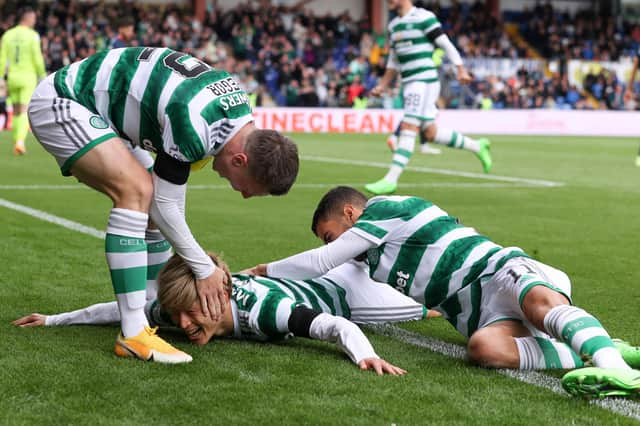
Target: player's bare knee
[539,301]
[429,131]
[134,194]
[485,351]
[478,349]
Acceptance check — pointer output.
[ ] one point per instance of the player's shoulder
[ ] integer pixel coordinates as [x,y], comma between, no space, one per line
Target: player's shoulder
[259,287]
[389,199]
[423,14]
[34,35]
[9,33]
[394,207]
[392,23]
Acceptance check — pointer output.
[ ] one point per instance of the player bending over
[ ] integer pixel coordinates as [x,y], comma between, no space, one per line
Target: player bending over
[413,35]
[186,112]
[267,309]
[510,306]
[21,57]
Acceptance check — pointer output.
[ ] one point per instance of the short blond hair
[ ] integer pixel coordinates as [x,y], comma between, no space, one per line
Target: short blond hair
[177,284]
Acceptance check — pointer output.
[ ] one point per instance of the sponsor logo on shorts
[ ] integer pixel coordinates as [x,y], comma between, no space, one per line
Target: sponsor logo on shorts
[97,122]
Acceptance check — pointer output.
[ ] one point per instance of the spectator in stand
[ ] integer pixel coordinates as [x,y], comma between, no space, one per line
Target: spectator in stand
[126,33]
[355,90]
[281,44]
[307,96]
[584,35]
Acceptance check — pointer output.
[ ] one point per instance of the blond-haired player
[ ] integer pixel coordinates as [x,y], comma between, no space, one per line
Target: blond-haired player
[266,309]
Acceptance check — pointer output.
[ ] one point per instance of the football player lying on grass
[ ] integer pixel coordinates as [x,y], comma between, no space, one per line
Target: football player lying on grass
[264,309]
[516,312]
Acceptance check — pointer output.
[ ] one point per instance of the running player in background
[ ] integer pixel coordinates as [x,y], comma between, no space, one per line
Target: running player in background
[629,92]
[186,112]
[21,59]
[414,33]
[267,309]
[508,305]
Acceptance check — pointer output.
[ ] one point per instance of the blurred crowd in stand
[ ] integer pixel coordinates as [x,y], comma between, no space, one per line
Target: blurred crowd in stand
[289,56]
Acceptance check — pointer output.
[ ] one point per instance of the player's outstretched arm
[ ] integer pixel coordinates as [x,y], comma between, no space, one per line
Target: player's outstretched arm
[100,313]
[32,320]
[167,211]
[305,322]
[316,262]
[381,367]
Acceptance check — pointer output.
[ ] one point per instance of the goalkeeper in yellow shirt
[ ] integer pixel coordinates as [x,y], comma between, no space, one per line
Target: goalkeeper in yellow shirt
[21,60]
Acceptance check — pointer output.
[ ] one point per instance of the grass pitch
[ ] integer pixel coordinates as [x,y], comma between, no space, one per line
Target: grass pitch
[587,226]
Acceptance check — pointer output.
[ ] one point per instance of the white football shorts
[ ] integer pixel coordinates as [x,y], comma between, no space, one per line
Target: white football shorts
[66,129]
[420,102]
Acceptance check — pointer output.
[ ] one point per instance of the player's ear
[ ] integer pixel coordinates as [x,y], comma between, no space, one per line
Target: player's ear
[239,160]
[349,213]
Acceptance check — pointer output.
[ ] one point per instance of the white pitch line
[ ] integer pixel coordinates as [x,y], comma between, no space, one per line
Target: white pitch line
[47,217]
[620,406]
[37,187]
[447,172]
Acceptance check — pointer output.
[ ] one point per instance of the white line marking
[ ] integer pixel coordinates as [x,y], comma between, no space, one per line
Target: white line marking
[533,182]
[299,186]
[620,406]
[42,187]
[47,217]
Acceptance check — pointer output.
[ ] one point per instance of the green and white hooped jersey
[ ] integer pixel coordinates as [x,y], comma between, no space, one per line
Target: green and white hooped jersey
[428,255]
[159,99]
[264,305]
[411,48]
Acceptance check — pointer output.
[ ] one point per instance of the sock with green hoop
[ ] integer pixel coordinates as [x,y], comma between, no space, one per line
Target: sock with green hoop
[584,334]
[457,140]
[158,253]
[127,258]
[538,353]
[402,155]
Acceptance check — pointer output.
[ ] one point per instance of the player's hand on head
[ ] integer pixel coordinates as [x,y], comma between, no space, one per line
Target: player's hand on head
[212,294]
[381,367]
[33,320]
[260,270]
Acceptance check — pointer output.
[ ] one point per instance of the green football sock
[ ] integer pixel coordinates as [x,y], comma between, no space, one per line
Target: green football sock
[126,253]
[158,253]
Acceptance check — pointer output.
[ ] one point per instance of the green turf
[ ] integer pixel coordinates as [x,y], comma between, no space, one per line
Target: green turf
[69,375]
